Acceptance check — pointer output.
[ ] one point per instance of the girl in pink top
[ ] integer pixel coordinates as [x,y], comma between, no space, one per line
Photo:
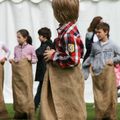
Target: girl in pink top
[24,49]
[22,79]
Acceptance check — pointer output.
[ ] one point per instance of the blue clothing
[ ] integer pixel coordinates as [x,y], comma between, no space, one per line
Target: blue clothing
[100,54]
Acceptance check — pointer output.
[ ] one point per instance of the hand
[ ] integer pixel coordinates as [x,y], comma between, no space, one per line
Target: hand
[48,54]
[11,61]
[109,62]
[2,61]
[29,58]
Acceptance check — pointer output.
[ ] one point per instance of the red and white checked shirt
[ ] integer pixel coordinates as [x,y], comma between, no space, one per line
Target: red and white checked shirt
[68,45]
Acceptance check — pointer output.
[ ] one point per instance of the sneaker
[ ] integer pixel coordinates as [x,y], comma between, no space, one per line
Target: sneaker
[118,93]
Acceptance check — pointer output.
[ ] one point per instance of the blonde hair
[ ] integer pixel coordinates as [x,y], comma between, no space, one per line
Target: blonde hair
[65,10]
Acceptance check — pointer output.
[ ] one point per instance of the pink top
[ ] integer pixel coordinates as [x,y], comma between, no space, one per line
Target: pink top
[25,51]
[5,49]
[117,72]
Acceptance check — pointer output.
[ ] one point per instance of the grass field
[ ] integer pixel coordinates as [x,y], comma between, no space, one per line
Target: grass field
[90,111]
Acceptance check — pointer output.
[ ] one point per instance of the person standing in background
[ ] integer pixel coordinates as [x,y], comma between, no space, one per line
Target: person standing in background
[22,76]
[104,55]
[117,72]
[90,36]
[3,58]
[46,43]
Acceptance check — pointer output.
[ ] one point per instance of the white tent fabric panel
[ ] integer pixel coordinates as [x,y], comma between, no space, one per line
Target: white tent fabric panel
[34,16]
[38,1]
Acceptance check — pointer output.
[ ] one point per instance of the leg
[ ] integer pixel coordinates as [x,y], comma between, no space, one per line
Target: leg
[38,95]
[3,110]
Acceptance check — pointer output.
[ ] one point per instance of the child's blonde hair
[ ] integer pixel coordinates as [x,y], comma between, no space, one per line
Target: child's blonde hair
[65,10]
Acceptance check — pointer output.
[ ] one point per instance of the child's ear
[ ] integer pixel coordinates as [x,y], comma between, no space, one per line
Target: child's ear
[106,32]
[26,38]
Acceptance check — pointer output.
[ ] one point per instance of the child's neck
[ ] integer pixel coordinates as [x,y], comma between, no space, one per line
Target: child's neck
[104,39]
[44,40]
[23,44]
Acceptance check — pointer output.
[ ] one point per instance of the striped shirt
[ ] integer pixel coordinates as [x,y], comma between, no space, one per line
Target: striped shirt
[68,45]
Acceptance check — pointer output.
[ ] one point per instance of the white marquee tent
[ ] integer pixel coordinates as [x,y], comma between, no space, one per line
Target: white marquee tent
[34,14]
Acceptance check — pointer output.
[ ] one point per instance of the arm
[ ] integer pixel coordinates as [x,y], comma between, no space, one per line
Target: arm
[33,56]
[71,56]
[7,51]
[89,60]
[116,58]
[89,40]
[15,56]
[87,63]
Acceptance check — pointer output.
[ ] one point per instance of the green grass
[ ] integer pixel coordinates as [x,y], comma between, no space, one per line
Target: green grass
[91,114]
[90,111]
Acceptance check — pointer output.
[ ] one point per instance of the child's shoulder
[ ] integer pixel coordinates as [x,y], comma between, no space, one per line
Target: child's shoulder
[49,42]
[89,35]
[96,43]
[17,46]
[30,46]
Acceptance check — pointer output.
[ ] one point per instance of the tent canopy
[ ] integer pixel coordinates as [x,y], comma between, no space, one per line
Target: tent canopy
[38,1]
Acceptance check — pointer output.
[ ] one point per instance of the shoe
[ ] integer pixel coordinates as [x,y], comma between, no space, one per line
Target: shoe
[118,93]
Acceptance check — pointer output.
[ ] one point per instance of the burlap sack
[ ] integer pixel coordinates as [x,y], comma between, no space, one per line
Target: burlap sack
[22,84]
[62,95]
[3,110]
[105,94]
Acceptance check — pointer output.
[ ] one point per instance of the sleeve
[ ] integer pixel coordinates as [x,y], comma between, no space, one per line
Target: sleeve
[71,55]
[89,40]
[40,51]
[86,64]
[116,58]
[33,56]
[89,60]
[15,57]
[7,51]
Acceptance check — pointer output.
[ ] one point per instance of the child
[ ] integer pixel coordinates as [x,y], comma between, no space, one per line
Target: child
[90,39]
[3,58]
[44,37]
[104,55]
[117,72]
[62,96]
[22,81]
[90,35]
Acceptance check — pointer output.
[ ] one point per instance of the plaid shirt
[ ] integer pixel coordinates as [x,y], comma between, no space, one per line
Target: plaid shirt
[68,45]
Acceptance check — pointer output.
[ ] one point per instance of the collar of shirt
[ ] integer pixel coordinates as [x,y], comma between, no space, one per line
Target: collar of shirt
[22,46]
[104,43]
[64,27]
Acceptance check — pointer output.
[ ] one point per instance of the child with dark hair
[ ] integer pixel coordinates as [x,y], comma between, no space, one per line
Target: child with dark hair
[24,49]
[91,36]
[22,79]
[104,55]
[63,85]
[25,34]
[46,43]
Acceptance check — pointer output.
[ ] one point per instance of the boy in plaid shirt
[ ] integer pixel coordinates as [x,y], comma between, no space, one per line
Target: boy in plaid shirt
[63,86]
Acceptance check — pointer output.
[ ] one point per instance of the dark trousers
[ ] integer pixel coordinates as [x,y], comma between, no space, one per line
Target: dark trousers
[38,95]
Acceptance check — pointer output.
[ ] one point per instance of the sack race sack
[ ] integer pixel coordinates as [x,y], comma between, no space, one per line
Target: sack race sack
[62,94]
[3,110]
[22,84]
[105,93]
